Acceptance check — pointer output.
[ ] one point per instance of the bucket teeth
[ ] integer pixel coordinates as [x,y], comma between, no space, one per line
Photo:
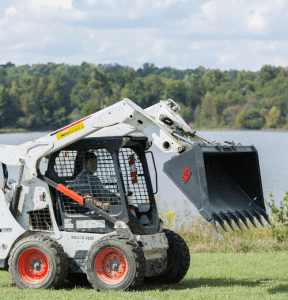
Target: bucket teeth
[223,225]
[220,221]
[243,215]
[250,217]
[264,215]
[238,224]
[236,220]
[266,218]
[227,218]
[242,218]
[258,217]
[213,223]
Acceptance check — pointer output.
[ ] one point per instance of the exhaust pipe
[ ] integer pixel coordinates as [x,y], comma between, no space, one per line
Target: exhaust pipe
[222,182]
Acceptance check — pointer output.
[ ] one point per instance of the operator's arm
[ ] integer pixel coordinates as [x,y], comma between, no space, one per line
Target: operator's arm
[93,190]
[102,193]
[95,202]
[84,184]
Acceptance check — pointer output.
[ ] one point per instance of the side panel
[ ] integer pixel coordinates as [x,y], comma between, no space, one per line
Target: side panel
[36,212]
[78,241]
[10,229]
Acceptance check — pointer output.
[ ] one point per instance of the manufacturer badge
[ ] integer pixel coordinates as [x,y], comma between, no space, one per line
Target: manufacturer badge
[186,174]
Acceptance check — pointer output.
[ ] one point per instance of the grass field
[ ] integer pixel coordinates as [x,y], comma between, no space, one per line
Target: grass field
[211,276]
[248,264]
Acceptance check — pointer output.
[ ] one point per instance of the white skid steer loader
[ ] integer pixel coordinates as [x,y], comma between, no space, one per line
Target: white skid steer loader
[93,211]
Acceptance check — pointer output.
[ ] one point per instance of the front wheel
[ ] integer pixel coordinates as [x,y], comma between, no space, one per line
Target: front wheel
[178,261]
[115,263]
[38,262]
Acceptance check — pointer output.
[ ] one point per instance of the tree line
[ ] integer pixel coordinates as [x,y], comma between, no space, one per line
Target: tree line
[49,96]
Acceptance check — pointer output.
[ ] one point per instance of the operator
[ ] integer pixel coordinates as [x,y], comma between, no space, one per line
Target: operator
[87,182]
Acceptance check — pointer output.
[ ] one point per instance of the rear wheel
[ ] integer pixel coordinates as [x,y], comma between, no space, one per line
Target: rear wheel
[115,263]
[38,262]
[178,261]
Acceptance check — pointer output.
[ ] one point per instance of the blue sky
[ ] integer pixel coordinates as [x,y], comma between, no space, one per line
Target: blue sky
[242,35]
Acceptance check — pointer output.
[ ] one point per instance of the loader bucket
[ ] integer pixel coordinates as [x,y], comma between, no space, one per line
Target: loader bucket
[223,182]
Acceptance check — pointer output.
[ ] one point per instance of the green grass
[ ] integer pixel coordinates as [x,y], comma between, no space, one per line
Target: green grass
[248,264]
[211,276]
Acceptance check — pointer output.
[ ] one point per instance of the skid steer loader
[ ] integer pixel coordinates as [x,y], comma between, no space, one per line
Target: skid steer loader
[93,210]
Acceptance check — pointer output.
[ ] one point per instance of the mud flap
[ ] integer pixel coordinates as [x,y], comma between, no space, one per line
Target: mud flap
[223,182]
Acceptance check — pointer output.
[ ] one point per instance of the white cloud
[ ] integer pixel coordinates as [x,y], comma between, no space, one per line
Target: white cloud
[227,59]
[257,21]
[56,3]
[160,47]
[265,16]
[10,11]
[162,4]
[105,46]
[210,10]
[221,34]
[139,4]
[195,46]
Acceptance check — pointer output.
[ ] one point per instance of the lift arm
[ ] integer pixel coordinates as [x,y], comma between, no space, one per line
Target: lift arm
[161,123]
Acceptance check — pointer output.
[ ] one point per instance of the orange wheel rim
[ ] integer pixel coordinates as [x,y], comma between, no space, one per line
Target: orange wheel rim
[33,266]
[111,266]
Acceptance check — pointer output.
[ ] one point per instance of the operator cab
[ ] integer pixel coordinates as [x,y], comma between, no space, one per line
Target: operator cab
[114,172]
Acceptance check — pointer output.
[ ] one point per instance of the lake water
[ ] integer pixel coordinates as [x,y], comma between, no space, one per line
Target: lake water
[272,150]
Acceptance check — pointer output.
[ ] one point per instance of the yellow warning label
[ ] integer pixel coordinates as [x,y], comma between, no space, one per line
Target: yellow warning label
[69,131]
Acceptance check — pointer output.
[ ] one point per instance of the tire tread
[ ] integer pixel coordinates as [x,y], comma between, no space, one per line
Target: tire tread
[138,255]
[62,264]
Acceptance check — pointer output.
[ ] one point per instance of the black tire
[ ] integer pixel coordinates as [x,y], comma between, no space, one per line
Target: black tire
[38,262]
[178,261]
[121,253]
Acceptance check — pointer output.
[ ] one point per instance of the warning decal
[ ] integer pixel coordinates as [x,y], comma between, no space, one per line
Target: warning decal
[68,223]
[69,131]
[90,224]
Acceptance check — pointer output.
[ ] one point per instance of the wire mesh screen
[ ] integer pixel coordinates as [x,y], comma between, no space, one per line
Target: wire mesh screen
[65,164]
[40,219]
[139,190]
[91,174]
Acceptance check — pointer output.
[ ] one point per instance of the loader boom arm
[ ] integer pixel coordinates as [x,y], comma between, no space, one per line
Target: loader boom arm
[161,123]
[225,182]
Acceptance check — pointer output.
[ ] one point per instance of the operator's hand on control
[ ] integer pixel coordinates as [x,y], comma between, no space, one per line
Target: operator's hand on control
[96,203]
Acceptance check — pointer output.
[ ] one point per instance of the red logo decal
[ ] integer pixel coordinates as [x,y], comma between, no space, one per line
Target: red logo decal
[186,174]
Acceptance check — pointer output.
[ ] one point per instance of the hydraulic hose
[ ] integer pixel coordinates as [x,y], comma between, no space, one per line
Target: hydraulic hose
[16,196]
[5,175]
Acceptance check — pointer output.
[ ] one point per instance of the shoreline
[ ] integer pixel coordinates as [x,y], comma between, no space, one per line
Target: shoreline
[22,130]
[13,130]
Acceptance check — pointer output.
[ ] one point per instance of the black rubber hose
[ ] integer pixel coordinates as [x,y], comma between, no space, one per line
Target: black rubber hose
[5,171]
[15,201]
[5,175]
